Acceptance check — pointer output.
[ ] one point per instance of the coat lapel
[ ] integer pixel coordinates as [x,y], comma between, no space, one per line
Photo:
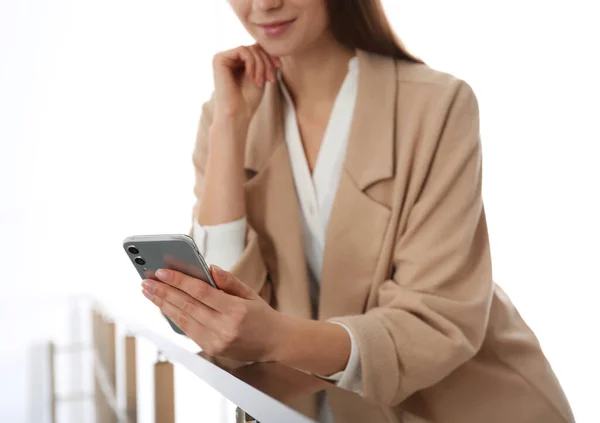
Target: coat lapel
[272,207]
[358,224]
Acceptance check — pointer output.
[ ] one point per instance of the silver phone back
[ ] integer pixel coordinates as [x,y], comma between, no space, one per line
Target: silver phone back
[175,252]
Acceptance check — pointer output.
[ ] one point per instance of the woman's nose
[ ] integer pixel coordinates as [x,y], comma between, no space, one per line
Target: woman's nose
[267,4]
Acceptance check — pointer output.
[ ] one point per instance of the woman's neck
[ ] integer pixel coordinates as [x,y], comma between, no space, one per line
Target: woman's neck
[314,76]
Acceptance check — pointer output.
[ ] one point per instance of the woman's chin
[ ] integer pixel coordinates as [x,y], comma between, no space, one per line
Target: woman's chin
[277,49]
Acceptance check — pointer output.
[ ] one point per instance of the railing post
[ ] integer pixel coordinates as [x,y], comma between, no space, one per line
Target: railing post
[104,350]
[164,392]
[52,382]
[130,379]
[96,352]
[110,360]
[242,417]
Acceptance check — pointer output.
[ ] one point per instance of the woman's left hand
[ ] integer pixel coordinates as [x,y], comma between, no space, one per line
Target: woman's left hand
[232,321]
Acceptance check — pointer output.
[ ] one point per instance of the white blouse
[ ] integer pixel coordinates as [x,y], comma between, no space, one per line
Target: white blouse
[223,244]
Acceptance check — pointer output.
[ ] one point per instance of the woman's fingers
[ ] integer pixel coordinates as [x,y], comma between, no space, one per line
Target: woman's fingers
[230,284]
[249,62]
[260,65]
[197,289]
[159,293]
[230,59]
[235,59]
[239,77]
[270,70]
[257,64]
[190,326]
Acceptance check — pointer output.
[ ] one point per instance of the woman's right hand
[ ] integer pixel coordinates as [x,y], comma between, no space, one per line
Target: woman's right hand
[240,76]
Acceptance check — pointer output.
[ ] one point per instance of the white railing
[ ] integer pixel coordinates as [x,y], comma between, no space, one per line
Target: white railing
[106,393]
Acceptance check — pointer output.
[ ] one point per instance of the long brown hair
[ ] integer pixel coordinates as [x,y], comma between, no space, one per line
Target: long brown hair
[362,24]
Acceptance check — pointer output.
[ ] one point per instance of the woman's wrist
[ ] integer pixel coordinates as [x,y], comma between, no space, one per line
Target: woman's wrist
[227,140]
[309,345]
[284,333]
[234,125]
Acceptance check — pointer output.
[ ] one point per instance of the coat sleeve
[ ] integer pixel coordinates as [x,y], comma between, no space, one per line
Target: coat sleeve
[431,316]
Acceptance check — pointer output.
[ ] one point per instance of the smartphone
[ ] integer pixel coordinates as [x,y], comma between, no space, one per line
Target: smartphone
[148,253]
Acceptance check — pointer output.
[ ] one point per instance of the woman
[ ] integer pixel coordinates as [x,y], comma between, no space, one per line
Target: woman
[339,182]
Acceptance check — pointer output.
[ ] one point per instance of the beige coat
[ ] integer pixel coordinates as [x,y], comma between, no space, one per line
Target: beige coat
[407,258]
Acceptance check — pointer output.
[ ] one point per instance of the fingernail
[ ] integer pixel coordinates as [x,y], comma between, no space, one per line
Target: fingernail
[163,275]
[216,269]
[261,81]
[149,286]
[147,294]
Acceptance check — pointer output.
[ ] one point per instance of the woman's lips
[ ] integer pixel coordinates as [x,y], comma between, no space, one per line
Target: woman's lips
[276,28]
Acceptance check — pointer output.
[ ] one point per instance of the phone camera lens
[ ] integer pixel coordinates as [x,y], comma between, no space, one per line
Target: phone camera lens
[140,261]
[133,250]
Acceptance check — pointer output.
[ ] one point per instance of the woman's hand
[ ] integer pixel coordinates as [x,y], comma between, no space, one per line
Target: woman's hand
[240,76]
[234,322]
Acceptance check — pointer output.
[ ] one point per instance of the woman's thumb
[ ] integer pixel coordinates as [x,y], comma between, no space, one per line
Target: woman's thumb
[227,282]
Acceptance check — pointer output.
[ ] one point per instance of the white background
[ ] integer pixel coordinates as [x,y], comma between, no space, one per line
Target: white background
[99,105]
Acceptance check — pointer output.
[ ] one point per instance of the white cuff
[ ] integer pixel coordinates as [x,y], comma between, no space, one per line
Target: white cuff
[351,377]
[222,244]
